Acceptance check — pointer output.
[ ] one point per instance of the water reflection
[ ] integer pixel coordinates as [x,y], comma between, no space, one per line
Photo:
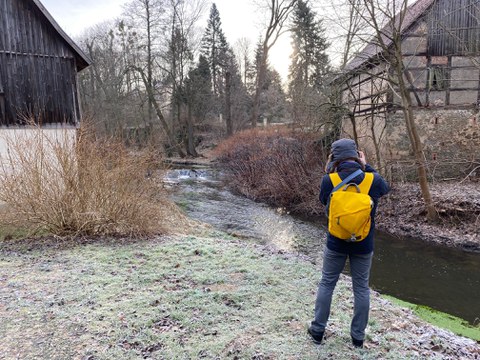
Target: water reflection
[442,278]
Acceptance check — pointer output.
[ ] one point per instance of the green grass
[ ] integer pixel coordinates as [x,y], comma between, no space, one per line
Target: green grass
[440,319]
[182,204]
[11,232]
[181,297]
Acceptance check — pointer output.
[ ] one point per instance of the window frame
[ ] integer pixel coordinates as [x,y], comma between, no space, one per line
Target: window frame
[438,78]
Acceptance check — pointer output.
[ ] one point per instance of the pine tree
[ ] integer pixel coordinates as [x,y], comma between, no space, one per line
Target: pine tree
[272,102]
[310,63]
[258,59]
[215,48]
[236,99]
[198,98]
[199,90]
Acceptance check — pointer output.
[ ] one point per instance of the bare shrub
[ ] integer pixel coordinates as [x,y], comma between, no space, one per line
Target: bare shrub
[67,183]
[277,166]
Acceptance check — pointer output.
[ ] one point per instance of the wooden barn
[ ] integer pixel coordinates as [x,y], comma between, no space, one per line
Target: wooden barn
[38,67]
[440,42]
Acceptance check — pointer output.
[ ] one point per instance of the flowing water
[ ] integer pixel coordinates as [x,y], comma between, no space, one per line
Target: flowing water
[442,278]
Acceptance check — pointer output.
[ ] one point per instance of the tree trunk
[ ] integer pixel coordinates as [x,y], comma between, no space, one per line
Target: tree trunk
[351,116]
[190,138]
[432,215]
[228,103]
[170,135]
[376,144]
[149,60]
[258,89]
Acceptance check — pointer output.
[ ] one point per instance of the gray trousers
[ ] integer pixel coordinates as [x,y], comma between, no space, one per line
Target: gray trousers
[333,264]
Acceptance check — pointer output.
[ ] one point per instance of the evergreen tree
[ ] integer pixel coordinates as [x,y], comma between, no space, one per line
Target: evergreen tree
[310,63]
[272,101]
[215,48]
[199,90]
[258,59]
[198,99]
[179,58]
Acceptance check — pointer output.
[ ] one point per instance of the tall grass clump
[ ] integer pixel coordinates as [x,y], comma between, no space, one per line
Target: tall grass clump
[278,166]
[65,182]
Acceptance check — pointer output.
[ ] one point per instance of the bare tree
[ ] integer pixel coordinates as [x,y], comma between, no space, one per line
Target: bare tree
[168,39]
[278,12]
[347,28]
[182,15]
[106,88]
[386,48]
[242,49]
[146,15]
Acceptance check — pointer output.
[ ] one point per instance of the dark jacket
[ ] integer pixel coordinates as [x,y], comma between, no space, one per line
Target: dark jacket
[378,189]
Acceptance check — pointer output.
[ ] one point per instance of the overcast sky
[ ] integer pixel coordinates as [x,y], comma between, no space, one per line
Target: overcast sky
[238,20]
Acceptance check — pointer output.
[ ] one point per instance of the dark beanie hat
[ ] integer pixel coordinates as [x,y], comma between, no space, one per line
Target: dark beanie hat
[344,149]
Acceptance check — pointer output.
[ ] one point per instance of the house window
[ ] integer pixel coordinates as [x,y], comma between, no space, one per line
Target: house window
[438,77]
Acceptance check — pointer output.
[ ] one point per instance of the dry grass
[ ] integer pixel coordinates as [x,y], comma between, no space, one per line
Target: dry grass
[72,184]
[280,167]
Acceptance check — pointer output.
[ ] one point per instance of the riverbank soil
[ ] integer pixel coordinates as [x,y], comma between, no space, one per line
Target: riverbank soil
[189,297]
[402,213]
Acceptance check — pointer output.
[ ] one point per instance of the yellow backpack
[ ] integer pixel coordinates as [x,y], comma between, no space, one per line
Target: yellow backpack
[349,207]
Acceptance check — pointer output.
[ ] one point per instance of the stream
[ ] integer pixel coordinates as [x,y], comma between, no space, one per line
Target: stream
[442,278]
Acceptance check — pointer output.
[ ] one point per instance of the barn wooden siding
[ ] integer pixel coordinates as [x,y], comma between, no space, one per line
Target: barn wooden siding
[37,67]
[454,28]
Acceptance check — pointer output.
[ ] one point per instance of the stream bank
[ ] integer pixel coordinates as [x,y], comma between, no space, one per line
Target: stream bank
[401,213]
[412,270]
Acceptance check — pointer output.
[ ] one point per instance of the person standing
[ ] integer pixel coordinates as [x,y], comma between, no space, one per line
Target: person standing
[345,159]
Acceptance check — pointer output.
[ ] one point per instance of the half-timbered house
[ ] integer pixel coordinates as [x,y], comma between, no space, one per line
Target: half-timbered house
[441,54]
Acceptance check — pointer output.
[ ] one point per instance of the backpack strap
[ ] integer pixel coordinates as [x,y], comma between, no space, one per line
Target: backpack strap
[335,179]
[364,186]
[366,183]
[338,182]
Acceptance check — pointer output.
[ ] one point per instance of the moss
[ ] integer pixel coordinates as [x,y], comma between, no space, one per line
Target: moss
[440,319]
[182,204]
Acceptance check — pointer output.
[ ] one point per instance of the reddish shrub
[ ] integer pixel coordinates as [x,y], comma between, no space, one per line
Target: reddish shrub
[280,167]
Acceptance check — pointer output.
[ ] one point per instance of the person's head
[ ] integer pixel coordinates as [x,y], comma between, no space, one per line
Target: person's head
[343,150]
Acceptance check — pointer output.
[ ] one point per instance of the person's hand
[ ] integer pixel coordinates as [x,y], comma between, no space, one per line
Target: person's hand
[329,160]
[361,157]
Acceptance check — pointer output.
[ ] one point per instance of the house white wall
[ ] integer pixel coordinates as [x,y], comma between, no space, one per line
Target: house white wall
[27,135]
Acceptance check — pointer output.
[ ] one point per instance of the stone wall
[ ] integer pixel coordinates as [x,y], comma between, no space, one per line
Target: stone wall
[451,140]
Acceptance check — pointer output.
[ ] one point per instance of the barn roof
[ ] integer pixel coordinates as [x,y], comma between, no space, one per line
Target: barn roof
[82,59]
[372,49]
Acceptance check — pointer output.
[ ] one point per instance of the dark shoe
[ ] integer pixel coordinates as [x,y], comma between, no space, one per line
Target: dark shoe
[316,337]
[357,343]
